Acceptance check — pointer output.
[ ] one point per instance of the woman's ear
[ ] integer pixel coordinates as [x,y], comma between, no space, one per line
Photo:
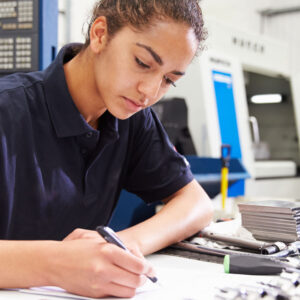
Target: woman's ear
[98,35]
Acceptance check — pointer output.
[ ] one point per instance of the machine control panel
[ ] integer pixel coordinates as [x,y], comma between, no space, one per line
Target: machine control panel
[19,32]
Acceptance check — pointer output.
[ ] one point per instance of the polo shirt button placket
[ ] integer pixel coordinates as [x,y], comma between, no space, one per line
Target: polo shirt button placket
[89,135]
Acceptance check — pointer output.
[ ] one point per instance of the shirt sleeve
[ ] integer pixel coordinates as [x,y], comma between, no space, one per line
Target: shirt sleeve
[156,170]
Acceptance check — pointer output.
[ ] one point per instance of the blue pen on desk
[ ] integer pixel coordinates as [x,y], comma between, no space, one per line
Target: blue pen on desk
[110,236]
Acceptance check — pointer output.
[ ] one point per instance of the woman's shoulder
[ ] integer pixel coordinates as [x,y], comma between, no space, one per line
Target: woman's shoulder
[18,81]
[15,92]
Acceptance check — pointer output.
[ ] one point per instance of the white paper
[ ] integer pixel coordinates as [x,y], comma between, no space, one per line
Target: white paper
[178,279]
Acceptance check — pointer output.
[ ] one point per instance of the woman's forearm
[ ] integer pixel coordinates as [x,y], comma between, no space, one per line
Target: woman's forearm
[25,263]
[186,212]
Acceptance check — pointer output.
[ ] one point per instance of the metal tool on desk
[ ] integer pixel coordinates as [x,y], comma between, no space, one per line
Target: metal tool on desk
[225,158]
[276,249]
[290,250]
[236,241]
[251,292]
[284,287]
[256,265]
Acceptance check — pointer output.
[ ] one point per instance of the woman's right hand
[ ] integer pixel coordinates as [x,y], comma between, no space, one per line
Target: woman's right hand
[92,268]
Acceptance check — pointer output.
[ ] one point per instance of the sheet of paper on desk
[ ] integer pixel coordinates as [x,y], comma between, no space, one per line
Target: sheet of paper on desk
[149,291]
[176,283]
[40,293]
[170,286]
[180,284]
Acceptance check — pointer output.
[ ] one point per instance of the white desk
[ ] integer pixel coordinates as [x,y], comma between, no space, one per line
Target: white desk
[180,279]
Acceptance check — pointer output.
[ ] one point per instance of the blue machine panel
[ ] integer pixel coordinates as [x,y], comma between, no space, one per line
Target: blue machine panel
[48,22]
[226,111]
[223,85]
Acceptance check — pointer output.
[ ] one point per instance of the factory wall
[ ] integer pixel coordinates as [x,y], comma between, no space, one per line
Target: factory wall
[242,14]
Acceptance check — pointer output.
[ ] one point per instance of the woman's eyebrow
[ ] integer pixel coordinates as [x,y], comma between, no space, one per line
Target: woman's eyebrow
[157,58]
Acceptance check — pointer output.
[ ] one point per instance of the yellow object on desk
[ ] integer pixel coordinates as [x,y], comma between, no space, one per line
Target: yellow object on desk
[225,158]
[224,185]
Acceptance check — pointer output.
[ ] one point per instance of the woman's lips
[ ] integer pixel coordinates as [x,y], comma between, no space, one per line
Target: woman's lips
[132,104]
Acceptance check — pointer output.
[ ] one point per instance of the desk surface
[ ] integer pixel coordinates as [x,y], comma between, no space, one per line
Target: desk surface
[180,279]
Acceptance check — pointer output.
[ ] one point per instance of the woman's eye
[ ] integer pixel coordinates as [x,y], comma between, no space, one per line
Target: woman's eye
[169,81]
[141,64]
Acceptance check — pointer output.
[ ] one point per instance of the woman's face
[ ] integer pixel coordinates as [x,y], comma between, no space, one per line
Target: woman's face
[136,68]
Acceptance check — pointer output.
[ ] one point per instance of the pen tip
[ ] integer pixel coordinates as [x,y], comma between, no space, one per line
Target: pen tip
[153,279]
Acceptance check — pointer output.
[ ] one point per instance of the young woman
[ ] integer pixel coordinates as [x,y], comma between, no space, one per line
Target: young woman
[74,135]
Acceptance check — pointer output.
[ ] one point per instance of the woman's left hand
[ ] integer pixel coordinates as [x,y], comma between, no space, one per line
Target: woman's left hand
[80,233]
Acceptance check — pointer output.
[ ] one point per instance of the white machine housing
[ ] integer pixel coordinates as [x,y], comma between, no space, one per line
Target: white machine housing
[232,51]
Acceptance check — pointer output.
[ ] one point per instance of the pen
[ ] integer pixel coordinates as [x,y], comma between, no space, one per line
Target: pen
[110,236]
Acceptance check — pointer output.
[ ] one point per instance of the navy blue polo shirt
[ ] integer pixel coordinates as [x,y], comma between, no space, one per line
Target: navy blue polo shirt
[57,173]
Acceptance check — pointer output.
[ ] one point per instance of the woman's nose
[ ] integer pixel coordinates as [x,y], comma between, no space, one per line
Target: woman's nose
[150,88]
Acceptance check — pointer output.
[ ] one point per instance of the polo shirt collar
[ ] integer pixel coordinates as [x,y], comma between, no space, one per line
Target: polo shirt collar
[66,118]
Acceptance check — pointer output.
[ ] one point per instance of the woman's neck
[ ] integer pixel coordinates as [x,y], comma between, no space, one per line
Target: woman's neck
[81,84]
